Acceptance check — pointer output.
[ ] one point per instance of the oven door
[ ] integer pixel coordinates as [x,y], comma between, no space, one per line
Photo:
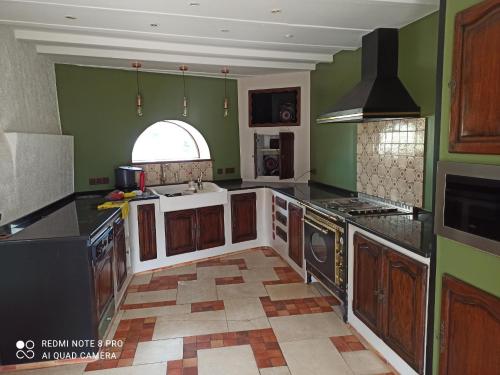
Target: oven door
[320,247]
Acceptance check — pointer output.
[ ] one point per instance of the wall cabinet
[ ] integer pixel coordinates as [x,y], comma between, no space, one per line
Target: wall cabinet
[120,252]
[195,229]
[470,328]
[147,231]
[295,234]
[475,86]
[390,297]
[244,217]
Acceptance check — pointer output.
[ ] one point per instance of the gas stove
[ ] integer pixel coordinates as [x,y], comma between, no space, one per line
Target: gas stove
[362,206]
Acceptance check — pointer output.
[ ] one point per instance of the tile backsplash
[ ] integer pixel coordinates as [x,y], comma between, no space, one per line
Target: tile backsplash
[176,172]
[390,160]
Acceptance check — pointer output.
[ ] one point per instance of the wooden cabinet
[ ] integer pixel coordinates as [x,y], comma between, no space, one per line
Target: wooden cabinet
[210,227]
[274,107]
[103,283]
[147,231]
[367,304]
[470,330]
[286,155]
[475,85]
[190,230]
[180,231]
[244,217]
[295,234]
[120,252]
[389,296]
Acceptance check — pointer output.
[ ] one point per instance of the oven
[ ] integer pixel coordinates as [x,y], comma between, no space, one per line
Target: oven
[324,250]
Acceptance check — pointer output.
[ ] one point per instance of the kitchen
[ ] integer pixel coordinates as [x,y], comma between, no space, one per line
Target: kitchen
[320,199]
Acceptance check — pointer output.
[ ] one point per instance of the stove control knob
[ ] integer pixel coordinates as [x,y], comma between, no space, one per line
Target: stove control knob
[341,241]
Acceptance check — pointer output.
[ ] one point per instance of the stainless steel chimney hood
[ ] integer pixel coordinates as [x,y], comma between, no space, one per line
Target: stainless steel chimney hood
[380,94]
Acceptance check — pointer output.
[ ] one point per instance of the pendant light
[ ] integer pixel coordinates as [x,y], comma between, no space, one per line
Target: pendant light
[225,71]
[184,68]
[138,98]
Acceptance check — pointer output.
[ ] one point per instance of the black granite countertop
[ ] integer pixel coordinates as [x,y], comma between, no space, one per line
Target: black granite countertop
[74,216]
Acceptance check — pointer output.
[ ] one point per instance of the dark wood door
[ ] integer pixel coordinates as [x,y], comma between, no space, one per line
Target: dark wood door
[210,227]
[470,330]
[244,217]
[120,252]
[103,283]
[147,231]
[286,155]
[367,291]
[295,234]
[475,86]
[180,231]
[404,292]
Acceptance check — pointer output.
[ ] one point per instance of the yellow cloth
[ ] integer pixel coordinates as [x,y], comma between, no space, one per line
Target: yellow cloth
[120,204]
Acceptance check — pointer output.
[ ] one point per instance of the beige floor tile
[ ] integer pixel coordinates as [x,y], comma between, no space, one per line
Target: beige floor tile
[244,308]
[309,326]
[364,362]
[317,356]
[282,370]
[233,360]
[156,311]
[217,271]
[321,289]
[158,351]
[248,325]
[245,290]
[291,291]
[259,274]
[56,370]
[166,328]
[183,270]
[149,369]
[154,296]
[205,315]
[196,291]
[141,279]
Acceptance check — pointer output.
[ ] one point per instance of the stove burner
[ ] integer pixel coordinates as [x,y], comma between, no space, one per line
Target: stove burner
[359,207]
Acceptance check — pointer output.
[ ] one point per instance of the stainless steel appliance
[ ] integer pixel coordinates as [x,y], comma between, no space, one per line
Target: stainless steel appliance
[125,178]
[363,206]
[468,204]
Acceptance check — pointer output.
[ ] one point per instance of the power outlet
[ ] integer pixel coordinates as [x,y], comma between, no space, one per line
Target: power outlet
[98,180]
[220,171]
[230,170]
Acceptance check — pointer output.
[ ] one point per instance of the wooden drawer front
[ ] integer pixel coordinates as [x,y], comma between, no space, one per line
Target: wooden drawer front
[280,202]
[147,231]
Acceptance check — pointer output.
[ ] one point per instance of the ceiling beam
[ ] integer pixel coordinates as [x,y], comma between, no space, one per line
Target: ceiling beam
[167,47]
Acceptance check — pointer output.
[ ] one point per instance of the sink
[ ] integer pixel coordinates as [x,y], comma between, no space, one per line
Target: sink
[179,197]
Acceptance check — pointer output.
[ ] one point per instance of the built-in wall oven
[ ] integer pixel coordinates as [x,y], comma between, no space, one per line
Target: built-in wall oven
[468,204]
[324,250]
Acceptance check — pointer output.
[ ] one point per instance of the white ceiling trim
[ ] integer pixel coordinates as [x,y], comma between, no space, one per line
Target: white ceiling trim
[170,58]
[157,46]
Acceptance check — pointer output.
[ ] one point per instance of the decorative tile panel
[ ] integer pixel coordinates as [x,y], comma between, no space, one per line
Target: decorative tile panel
[176,172]
[390,160]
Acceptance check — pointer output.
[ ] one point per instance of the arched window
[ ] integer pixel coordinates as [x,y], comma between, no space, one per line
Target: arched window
[168,141]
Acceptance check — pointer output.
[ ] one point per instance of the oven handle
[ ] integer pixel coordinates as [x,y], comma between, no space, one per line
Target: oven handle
[308,222]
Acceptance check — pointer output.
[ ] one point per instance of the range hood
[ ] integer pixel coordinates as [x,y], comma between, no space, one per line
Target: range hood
[380,94]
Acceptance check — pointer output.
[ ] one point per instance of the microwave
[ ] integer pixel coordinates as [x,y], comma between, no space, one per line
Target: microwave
[468,204]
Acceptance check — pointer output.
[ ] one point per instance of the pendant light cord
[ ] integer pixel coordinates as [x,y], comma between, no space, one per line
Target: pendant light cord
[137,79]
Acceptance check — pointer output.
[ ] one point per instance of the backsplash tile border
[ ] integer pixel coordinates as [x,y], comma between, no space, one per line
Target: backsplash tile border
[390,160]
[164,173]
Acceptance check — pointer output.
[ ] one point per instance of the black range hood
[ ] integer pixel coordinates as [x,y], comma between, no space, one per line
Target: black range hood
[380,94]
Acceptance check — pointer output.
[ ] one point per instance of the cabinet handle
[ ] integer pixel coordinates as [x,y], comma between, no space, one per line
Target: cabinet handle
[442,338]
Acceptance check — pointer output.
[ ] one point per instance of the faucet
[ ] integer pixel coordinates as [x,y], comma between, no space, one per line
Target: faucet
[199,181]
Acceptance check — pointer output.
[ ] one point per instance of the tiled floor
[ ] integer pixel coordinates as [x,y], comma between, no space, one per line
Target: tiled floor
[247,313]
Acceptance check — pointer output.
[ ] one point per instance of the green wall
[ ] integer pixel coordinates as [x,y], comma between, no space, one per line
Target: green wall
[464,262]
[97,107]
[333,146]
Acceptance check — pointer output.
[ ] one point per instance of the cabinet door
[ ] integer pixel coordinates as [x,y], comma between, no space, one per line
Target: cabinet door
[295,234]
[404,302]
[147,231]
[475,113]
[210,227]
[286,155]
[244,217]
[367,298]
[470,330]
[180,231]
[104,284]
[120,253]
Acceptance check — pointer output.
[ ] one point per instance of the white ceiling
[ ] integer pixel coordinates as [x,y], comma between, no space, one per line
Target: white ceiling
[206,35]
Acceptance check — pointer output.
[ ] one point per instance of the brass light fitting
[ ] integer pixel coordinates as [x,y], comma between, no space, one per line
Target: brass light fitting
[184,68]
[225,71]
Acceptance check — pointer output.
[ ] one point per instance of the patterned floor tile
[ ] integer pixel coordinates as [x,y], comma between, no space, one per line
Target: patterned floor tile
[347,343]
[229,280]
[296,306]
[207,306]
[291,291]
